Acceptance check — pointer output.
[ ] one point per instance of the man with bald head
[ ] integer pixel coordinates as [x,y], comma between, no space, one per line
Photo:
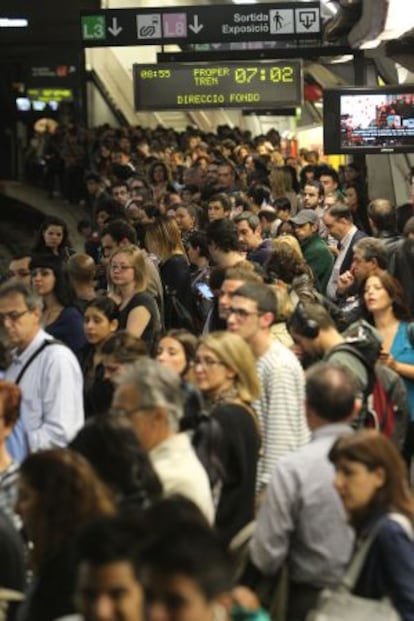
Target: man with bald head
[81,271]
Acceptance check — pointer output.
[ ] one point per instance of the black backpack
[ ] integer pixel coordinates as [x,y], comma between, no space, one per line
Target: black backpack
[176,315]
[385,403]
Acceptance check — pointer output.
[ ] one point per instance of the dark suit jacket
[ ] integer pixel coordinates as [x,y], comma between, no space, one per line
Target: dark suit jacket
[346,263]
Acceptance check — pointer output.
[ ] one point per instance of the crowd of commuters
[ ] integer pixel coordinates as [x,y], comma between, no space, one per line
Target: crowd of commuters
[185,401]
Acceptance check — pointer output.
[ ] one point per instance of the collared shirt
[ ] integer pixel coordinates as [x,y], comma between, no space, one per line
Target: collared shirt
[181,472]
[52,398]
[343,249]
[280,408]
[302,517]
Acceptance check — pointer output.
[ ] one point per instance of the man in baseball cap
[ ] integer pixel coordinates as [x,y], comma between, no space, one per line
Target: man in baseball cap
[315,251]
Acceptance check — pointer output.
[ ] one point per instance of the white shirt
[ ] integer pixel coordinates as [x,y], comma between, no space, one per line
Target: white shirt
[181,472]
[52,398]
[344,247]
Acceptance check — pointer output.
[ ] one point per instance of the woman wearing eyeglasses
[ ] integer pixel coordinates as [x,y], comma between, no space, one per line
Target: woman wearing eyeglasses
[138,312]
[225,372]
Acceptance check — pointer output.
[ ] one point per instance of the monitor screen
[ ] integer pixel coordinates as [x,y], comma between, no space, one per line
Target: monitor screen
[377,120]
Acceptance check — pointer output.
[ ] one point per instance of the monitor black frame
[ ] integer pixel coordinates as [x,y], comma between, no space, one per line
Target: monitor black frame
[332,120]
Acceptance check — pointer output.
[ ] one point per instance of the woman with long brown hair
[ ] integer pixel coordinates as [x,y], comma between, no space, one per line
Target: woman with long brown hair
[385,306]
[371,479]
[58,494]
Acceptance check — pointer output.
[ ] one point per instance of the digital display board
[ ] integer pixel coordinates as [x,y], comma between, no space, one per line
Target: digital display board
[369,120]
[172,86]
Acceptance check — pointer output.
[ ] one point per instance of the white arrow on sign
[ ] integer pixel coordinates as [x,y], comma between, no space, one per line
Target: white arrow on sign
[115,29]
[195,26]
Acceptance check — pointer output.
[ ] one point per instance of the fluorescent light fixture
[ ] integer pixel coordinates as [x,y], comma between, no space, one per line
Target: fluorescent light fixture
[244,1]
[381,20]
[398,21]
[13,22]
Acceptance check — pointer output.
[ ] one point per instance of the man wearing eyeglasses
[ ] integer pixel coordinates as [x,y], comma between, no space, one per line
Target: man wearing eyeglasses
[47,372]
[150,396]
[280,407]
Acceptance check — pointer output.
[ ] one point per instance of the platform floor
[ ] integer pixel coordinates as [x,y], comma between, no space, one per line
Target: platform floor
[37,199]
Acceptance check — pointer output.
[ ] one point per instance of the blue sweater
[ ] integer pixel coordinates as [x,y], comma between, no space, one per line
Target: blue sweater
[388,570]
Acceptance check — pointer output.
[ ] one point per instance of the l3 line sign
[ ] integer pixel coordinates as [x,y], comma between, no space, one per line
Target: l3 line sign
[204,24]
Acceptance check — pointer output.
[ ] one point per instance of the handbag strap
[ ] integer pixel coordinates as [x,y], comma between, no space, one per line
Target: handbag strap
[352,573]
[34,355]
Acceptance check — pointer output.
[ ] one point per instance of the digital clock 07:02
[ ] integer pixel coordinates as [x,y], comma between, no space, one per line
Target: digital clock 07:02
[261,84]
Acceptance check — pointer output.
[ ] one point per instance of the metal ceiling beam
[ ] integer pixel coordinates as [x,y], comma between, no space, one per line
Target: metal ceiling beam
[307,53]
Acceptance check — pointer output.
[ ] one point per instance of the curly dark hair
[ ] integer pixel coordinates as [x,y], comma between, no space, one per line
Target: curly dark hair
[158,164]
[40,246]
[11,396]
[394,290]
[284,264]
[70,495]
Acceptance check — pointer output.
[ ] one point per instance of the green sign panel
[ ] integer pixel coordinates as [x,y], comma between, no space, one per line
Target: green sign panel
[93,27]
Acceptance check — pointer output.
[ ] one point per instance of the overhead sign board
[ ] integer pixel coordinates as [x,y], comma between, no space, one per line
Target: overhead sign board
[204,24]
[261,84]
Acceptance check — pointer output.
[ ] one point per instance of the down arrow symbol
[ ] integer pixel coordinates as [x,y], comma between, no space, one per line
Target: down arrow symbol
[115,29]
[195,26]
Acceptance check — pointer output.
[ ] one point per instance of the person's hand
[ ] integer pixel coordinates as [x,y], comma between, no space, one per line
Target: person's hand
[387,359]
[345,280]
[242,596]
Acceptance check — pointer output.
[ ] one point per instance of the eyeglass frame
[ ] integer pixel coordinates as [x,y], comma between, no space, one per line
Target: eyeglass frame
[242,313]
[13,316]
[121,268]
[207,362]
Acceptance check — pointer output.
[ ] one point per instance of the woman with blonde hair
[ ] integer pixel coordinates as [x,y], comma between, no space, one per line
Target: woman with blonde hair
[138,311]
[163,238]
[225,372]
[285,308]
[288,240]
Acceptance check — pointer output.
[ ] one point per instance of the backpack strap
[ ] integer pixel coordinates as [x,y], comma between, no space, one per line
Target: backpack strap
[410,333]
[34,355]
[350,349]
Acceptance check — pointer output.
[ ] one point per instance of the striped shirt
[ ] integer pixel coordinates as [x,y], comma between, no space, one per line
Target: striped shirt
[281,407]
[8,492]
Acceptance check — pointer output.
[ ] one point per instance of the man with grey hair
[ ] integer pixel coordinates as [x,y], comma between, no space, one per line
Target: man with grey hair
[47,372]
[369,256]
[150,396]
[249,231]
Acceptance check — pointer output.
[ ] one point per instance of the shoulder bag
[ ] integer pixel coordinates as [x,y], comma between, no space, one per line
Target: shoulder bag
[341,604]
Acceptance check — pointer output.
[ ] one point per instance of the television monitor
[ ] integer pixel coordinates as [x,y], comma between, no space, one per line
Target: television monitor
[369,120]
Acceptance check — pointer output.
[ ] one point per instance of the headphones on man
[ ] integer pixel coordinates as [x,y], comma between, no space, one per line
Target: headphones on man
[303,325]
